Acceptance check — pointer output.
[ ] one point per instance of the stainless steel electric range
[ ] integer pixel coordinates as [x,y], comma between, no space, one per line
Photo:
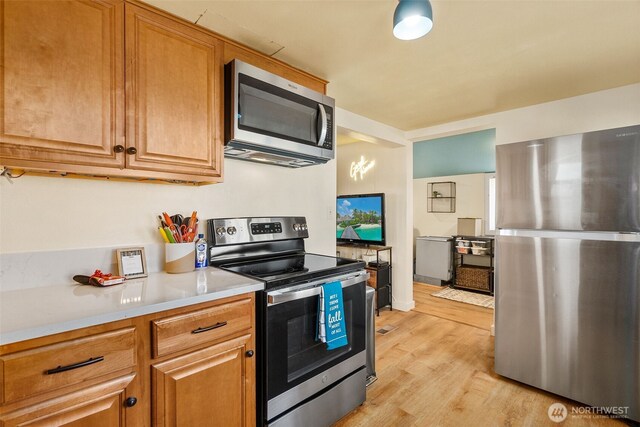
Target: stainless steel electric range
[299,381]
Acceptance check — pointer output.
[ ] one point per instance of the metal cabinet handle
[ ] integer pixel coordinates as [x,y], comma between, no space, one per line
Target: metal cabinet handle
[249,353]
[132,150]
[208,328]
[130,402]
[59,369]
[118,149]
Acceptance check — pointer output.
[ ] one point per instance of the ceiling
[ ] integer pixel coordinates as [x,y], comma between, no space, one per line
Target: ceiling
[481,57]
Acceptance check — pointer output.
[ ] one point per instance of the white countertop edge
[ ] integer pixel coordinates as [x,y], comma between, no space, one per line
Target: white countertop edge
[56,328]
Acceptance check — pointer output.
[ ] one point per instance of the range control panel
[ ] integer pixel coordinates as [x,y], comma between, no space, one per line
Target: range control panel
[234,231]
[266,227]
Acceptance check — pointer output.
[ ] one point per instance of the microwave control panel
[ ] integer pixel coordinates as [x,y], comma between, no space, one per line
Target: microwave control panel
[328,142]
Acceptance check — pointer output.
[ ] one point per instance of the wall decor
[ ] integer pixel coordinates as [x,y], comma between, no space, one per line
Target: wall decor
[361,167]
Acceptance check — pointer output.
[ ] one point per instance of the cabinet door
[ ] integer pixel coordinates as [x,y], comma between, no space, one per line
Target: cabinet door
[62,83]
[174,95]
[98,406]
[213,387]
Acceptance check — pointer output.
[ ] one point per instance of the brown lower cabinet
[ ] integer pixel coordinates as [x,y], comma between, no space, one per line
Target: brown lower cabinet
[95,406]
[205,387]
[107,375]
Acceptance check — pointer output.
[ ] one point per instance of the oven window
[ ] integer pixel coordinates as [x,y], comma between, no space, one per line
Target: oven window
[304,353]
[293,354]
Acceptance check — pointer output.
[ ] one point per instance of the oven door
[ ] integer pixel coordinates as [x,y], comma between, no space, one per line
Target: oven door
[298,365]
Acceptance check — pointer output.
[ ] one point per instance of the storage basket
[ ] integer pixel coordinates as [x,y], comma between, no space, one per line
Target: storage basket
[473,277]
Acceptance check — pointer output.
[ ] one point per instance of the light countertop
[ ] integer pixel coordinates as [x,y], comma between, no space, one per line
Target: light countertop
[41,311]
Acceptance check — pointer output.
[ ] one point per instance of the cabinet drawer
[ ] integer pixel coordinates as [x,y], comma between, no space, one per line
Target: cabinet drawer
[187,330]
[51,367]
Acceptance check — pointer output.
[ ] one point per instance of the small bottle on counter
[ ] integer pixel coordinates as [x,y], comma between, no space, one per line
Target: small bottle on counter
[201,252]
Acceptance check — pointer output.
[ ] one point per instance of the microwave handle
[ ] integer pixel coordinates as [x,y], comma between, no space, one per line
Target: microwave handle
[278,298]
[324,125]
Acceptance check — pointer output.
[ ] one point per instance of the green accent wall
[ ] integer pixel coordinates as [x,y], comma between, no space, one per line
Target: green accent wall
[473,152]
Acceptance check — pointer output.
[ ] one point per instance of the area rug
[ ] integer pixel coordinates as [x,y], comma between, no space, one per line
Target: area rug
[466,297]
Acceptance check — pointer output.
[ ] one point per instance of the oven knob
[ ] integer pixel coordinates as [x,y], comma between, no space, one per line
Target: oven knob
[220,231]
[296,227]
[303,226]
[231,231]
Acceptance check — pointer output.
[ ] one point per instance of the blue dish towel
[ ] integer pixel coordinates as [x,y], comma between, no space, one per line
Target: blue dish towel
[331,325]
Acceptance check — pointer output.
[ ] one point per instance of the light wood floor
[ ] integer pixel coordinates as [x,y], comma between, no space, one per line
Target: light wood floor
[436,369]
[460,312]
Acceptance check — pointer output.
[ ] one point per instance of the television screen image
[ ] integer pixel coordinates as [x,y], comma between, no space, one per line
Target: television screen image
[360,219]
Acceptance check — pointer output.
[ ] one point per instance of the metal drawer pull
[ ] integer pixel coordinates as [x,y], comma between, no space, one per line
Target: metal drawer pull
[59,369]
[208,328]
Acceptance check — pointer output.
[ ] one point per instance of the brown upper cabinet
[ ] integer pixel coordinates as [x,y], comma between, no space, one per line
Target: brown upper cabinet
[174,96]
[62,97]
[115,88]
[70,78]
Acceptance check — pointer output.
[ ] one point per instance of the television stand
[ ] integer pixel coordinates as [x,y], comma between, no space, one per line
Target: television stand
[379,269]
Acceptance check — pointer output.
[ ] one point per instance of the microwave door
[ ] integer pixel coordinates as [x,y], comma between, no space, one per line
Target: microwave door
[273,112]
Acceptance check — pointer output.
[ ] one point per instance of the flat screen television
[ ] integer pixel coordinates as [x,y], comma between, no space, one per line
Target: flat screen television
[360,219]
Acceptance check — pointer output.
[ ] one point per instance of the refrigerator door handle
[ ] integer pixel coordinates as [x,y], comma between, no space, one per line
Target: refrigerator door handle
[581,235]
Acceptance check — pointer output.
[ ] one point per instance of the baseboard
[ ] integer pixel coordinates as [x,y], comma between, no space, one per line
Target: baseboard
[404,305]
[430,280]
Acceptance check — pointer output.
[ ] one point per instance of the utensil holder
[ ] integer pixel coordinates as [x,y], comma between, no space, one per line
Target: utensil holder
[179,257]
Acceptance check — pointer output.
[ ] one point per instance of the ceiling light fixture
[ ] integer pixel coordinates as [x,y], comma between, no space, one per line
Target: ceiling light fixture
[412,19]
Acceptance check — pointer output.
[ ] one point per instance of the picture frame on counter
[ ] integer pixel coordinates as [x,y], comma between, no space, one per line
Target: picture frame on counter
[132,262]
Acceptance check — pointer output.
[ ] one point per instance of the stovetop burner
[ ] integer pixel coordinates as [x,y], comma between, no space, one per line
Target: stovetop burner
[283,270]
[270,249]
[273,267]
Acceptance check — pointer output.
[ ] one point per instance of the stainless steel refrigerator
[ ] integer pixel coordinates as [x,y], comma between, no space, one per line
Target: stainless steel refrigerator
[568,266]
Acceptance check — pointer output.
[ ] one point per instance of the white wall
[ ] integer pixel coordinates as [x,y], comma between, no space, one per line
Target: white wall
[605,109]
[389,176]
[470,203]
[48,213]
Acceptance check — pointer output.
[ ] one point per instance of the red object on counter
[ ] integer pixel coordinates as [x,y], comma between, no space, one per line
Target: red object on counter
[105,279]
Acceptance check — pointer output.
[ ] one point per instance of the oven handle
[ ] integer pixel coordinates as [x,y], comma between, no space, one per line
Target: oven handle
[277,297]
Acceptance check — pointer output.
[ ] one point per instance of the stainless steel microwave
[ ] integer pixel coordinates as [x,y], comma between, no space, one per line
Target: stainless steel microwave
[270,119]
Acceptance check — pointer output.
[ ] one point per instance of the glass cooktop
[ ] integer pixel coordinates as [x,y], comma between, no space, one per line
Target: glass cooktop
[280,271]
